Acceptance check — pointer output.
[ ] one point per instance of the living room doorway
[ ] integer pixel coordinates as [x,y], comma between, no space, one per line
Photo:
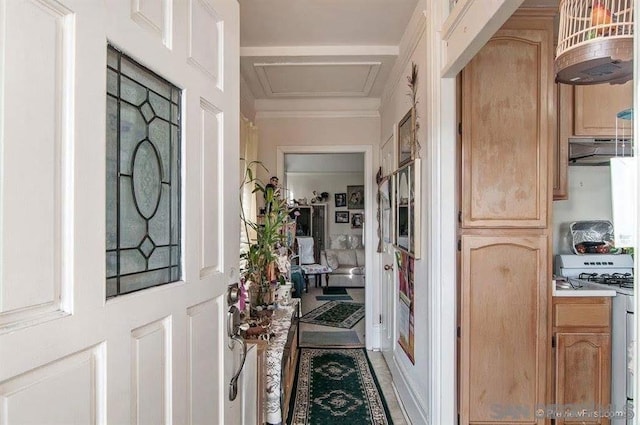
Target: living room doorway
[329,191]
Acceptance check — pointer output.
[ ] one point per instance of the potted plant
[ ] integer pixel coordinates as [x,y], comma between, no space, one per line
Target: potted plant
[261,255]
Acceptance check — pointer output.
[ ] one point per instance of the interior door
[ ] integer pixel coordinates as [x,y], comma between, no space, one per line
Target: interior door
[67,353]
[388,290]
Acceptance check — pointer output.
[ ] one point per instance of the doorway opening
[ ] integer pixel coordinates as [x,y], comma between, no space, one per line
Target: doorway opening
[329,192]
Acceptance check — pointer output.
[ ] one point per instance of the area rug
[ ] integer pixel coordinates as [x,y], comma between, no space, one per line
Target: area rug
[340,339]
[337,386]
[332,290]
[339,314]
[333,298]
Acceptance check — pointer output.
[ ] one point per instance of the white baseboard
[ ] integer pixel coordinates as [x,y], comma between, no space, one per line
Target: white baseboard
[412,408]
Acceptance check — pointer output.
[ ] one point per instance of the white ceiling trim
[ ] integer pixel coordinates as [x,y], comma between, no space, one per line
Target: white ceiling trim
[318,108]
[268,84]
[319,51]
[317,114]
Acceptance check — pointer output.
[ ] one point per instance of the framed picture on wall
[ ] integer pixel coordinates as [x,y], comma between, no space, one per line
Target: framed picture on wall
[404,139]
[356,220]
[406,203]
[355,196]
[341,200]
[342,216]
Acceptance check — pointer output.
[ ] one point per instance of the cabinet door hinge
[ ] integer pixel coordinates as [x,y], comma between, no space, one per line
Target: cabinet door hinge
[460,128]
[380,319]
[458,331]
[459,216]
[553,341]
[458,418]
[459,245]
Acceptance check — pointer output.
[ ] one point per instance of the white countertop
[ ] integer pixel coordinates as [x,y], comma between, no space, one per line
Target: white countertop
[585,291]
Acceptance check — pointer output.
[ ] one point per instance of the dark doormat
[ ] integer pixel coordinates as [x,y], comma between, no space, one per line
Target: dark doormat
[328,290]
[337,386]
[333,298]
[336,339]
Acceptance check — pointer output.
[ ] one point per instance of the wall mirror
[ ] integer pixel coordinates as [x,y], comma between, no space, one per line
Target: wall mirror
[406,201]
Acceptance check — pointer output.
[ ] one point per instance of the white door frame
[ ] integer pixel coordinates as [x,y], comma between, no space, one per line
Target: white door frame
[372,287]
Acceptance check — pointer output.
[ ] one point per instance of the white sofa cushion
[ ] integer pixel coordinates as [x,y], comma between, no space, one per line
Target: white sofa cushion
[346,257]
[360,256]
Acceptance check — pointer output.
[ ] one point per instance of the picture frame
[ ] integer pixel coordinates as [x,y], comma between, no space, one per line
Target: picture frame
[407,205]
[340,199]
[342,217]
[356,220]
[404,138]
[355,197]
[385,212]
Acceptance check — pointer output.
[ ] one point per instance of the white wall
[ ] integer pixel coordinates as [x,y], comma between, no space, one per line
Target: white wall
[302,185]
[395,104]
[311,130]
[589,199]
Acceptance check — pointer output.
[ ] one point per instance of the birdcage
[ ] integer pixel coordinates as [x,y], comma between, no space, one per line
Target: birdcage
[595,41]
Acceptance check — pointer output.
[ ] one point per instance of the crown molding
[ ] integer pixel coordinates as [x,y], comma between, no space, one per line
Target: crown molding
[318,108]
[317,114]
[284,51]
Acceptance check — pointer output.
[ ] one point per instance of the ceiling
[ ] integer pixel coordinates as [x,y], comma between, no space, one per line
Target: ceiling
[292,49]
[311,49]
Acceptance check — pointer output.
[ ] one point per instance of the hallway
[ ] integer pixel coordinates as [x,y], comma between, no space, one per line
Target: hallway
[319,336]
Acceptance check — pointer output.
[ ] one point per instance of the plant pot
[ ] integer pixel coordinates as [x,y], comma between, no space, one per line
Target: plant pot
[260,295]
[283,294]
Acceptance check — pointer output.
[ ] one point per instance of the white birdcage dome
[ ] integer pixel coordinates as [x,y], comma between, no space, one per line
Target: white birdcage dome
[595,41]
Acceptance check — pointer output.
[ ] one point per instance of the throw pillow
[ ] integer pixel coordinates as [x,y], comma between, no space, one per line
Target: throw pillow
[332,261]
[338,241]
[355,242]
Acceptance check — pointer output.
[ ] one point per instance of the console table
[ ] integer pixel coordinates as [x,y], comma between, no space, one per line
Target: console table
[277,360]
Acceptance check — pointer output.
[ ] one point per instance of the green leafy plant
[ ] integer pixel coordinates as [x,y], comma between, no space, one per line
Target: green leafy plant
[260,255]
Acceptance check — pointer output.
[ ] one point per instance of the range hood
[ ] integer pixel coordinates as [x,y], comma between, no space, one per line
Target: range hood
[597,151]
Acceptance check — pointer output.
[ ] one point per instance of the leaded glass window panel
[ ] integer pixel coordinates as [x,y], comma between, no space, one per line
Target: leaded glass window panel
[143,177]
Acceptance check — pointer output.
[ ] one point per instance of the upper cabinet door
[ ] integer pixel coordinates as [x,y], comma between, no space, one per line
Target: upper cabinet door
[508,127]
[596,109]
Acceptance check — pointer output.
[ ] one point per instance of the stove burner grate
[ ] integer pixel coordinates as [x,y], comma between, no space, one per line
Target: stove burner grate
[622,280]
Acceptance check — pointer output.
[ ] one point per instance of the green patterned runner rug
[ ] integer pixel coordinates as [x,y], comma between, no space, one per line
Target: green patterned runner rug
[337,386]
[338,314]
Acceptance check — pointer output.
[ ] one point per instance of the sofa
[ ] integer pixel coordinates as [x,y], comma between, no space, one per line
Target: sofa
[347,267]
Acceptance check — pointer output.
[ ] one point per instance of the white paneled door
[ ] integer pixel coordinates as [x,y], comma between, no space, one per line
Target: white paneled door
[69,355]
[388,292]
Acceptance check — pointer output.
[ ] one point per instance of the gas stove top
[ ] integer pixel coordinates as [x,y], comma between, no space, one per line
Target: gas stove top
[622,280]
[607,270]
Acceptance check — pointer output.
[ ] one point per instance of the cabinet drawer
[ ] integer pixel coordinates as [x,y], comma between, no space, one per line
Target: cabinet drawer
[583,315]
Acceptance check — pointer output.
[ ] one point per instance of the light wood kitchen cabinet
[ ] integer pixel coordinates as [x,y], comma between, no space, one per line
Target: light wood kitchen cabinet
[596,107]
[582,354]
[564,107]
[508,127]
[508,135]
[504,327]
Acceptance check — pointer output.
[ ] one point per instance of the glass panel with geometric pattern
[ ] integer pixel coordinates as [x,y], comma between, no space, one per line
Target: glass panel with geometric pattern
[143,177]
